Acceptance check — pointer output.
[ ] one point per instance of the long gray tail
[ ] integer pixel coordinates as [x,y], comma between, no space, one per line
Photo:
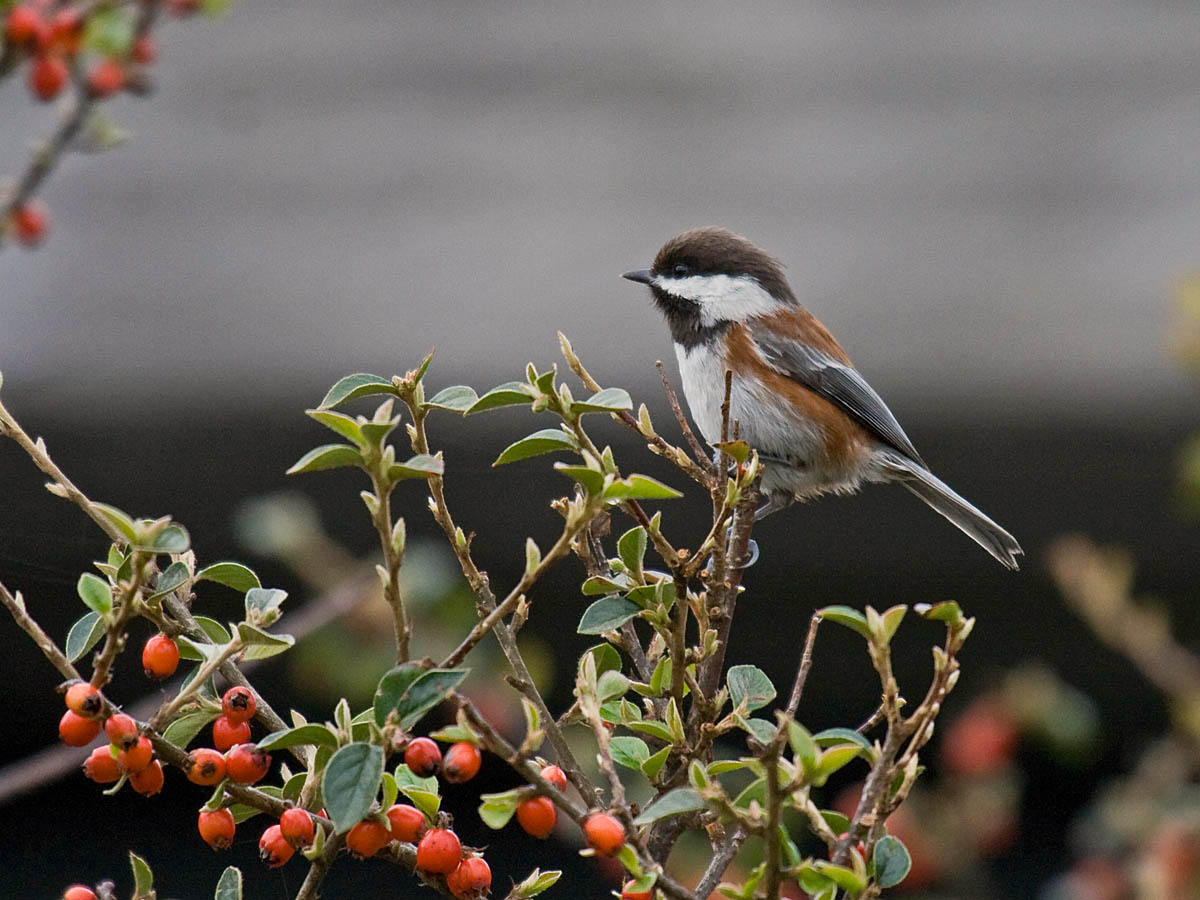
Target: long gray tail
[986,533]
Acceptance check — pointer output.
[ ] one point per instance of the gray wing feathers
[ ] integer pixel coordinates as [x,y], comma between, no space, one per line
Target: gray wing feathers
[838,383]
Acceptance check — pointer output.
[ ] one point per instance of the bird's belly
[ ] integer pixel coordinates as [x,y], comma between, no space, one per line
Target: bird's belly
[790,444]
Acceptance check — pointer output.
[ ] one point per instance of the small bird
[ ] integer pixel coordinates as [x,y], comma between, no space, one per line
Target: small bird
[817,425]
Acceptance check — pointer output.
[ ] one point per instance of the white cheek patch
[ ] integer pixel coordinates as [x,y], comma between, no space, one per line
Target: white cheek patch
[721,298]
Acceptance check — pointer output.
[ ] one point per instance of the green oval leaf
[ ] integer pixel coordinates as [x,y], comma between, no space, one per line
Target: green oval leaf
[672,803]
[851,618]
[639,487]
[458,398]
[652,766]
[831,736]
[630,752]
[606,614]
[262,604]
[358,385]
[891,860]
[511,393]
[312,733]
[548,440]
[497,809]
[411,694]
[171,578]
[121,520]
[591,480]
[350,783]
[183,730]
[229,885]
[329,456]
[231,574]
[84,635]
[172,539]
[260,644]
[607,400]
[339,423]
[631,547]
[95,593]
[420,466]
[143,878]
[751,686]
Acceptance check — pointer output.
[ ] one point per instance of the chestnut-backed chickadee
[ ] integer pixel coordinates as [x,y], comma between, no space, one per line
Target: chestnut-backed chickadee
[817,425]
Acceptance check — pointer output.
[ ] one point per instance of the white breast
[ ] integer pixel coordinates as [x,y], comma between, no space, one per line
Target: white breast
[703,375]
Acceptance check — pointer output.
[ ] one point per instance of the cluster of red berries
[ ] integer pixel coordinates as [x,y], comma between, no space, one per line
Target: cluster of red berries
[424,759]
[538,816]
[129,753]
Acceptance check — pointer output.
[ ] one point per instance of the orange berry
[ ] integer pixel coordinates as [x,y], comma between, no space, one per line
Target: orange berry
[137,756]
[48,76]
[273,849]
[101,767]
[367,838]
[77,731]
[84,699]
[408,823]
[604,834]
[537,816]
[226,733]
[66,31]
[462,763]
[555,776]
[217,827]
[122,730]
[205,766]
[246,764]
[79,892]
[239,704]
[423,757]
[297,827]
[439,851]
[160,657]
[472,879]
[148,781]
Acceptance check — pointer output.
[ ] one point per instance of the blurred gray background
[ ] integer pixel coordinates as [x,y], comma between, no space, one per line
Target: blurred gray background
[987,202]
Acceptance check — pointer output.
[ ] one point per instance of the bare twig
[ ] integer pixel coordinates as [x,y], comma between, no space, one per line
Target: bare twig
[684,425]
[722,856]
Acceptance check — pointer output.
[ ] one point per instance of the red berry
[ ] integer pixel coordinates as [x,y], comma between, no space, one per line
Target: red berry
[227,733]
[555,776]
[77,731]
[471,879]
[79,892]
[101,767]
[160,657]
[628,892]
[84,699]
[367,838]
[604,834]
[982,740]
[48,76]
[122,730]
[439,851]
[273,849]
[297,827]
[106,79]
[148,781]
[408,823]
[29,222]
[238,704]
[246,764]
[217,827]
[22,24]
[144,50]
[205,766]
[462,763]
[537,816]
[137,756]
[422,757]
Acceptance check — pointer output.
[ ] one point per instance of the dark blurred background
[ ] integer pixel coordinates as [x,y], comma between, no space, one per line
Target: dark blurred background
[991,205]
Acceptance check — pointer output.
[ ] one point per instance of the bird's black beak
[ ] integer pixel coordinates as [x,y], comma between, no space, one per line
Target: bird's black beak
[641,275]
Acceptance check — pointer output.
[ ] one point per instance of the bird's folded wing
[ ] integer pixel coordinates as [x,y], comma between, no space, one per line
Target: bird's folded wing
[837,382]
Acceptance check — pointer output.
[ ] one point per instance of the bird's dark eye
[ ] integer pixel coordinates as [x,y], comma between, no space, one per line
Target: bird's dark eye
[681,271]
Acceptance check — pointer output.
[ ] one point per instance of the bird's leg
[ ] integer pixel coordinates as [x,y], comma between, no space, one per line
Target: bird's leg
[775,502]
